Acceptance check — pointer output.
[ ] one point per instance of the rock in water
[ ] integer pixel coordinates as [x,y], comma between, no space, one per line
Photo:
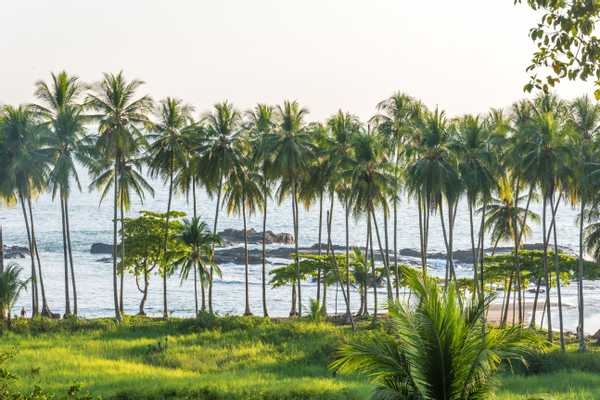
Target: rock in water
[101,248]
[254,237]
[15,252]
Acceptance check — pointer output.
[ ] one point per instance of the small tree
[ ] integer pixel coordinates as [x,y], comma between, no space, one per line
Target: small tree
[10,288]
[144,237]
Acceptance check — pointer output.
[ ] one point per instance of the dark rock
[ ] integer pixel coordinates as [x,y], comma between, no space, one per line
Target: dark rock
[101,248]
[104,260]
[15,252]
[254,237]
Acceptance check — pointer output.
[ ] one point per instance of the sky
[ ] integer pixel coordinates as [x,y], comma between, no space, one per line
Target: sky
[463,56]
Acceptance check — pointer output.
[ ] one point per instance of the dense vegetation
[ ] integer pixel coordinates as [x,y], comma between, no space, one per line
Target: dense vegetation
[543,149]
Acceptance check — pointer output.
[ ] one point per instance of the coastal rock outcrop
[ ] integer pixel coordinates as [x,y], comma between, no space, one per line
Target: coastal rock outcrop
[15,252]
[101,248]
[255,237]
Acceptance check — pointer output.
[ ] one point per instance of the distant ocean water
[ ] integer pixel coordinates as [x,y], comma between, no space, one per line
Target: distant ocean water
[91,222]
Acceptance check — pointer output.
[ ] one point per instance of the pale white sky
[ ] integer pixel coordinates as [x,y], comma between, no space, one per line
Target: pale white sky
[463,55]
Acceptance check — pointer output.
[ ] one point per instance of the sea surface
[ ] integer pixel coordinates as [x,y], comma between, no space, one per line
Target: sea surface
[91,222]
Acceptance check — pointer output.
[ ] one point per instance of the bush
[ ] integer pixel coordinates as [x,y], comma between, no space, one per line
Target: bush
[558,361]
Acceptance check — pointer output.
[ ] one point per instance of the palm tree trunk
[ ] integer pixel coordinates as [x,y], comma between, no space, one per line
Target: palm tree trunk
[557,271]
[45,309]
[390,297]
[481,250]
[1,251]
[114,252]
[70,250]
[296,229]
[474,250]
[580,332]
[66,258]
[202,291]
[165,266]
[264,253]
[211,271]
[422,234]
[546,274]
[396,269]
[373,270]
[122,271]
[320,238]
[386,240]
[293,310]
[195,289]
[34,286]
[247,287]
[347,209]
[518,238]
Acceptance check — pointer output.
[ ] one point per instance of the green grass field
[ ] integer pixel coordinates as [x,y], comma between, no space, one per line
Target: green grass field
[227,358]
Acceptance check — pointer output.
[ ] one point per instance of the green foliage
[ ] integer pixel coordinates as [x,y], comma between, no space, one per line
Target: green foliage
[567,46]
[11,286]
[437,349]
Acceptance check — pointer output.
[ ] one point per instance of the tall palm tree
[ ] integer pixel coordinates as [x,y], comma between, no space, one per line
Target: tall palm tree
[61,109]
[120,117]
[243,195]
[344,127]
[395,121]
[261,123]
[292,150]
[167,154]
[197,255]
[24,148]
[436,350]
[219,153]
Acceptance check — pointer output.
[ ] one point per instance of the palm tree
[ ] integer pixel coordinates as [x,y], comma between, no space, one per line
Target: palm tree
[243,194]
[167,154]
[62,111]
[585,119]
[292,150]
[436,350]
[10,289]
[395,121]
[219,153]
[344,127]
[262,123]
[120,117]
[199,242]
[27,158]
[471,146]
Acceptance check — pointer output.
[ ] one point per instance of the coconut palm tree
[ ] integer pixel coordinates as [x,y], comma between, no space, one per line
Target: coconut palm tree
[293,152]
[219,153]
[62,111]
[167,154]
[120,117]
[26,166]
[243,195]
[436,350]
[10,289]
[585,120]
[261,123]
[199,242]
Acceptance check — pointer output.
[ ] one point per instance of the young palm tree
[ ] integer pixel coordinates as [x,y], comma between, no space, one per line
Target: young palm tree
[168,153]
[243,195]
[120,116]
[63,113]
[24,148]
[219,153]
[10,289]
[436,350]
[199,242]
[262,122]
[292,150]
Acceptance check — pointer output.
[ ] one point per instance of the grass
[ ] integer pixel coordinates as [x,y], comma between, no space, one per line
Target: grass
[231,358]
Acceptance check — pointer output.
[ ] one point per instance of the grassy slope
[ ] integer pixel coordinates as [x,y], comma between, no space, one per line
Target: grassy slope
[226,358]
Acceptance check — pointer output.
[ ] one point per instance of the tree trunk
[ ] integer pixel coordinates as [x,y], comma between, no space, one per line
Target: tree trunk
[474,250]
[211,270]
[385,265]
[373,271]
[296,230]
[557,271]
[422,234]
[165,266]
[546,274]
[195,289]
[347,209]
[45,309]
[264,254]
[246,285]
[114,252]
[320,238]
[34,286]
[580,331]
[66,257]
[122,271]
[144,294]
[70,251]
[1,251]
[481,250]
